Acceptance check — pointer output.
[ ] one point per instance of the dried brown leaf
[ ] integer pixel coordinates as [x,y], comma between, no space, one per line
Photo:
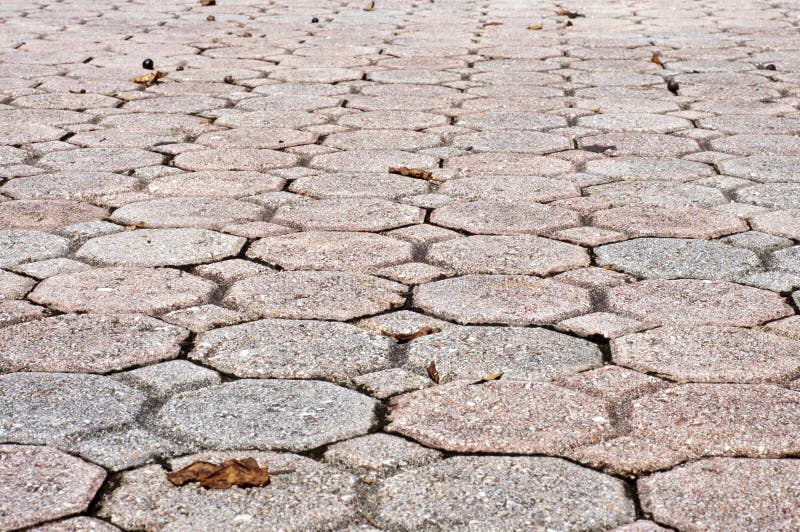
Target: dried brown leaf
[493,23]
[192,473]
[247,34]
[433,373]
[416,173]
[656,58]
[489,378]
[244,473]
[400,337]
[211,18]
[207,3]
[229,80]
[535,27]
[149,79]
[77,91]
[370,6]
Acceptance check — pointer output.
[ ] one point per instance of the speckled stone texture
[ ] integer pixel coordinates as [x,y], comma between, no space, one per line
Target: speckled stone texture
[401,240]
[41,483]
[474,492]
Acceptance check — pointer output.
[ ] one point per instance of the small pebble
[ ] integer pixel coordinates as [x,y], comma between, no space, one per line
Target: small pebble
[147,64]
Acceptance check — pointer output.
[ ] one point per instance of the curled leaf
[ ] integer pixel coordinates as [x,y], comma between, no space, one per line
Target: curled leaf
[535,27]
[400,337]
[433,373]
[370,6]
[416,173]
[207,3]
[489,378]
[244,473]
[656,58]
[485,24]
[149,79]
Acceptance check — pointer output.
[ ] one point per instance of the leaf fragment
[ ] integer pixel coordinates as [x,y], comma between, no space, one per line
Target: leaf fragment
[402,338]
[149,79]
[535,27]
[489,378]
[211,18]
[673,87]
[656,58]
[416,173]
[370,6]
[229,80]
[433,373]
[570,14]
[244,473]
[493,23]
[206,3]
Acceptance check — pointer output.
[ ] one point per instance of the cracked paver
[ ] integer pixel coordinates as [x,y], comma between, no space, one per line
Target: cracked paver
[223,260]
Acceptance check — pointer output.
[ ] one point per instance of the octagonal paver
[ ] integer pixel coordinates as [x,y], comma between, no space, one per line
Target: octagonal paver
[481,164]
[377,185]
[670,222]
[313,497]
[763,168]
[260,138]
[321,250]
[268,414]
[649,168]
[215,184]
[512,141]
[503,217]
[253,159]
[17,246]
[371,160]
[475,418]
[46,408]
[69,185]
[709,354]
[160,247]
[677,258]
[695,302]
[207,213]
[40,484]
[725,494]
[324,295]
[100,159]
[507,299]
[529,492]
[382,139]
[88,343]
[780,223]
[661,193]
[504,120]
[513,254]
[149,291]
[753,144]
[696,420]
[293,349]
[472,353]
[770,195]
[44,215]
[634,122]
[510,188]
[641,144]
[347,214]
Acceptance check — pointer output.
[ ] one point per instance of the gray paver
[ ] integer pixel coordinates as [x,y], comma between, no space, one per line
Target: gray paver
[268,414]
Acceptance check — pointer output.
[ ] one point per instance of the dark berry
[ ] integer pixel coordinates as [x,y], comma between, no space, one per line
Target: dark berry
[315,20]
[147,64]
[770,67]
[673,86]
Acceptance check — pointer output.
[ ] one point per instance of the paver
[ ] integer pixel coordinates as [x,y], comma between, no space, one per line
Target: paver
[330,250]
[160,247]
[678,258]
[387,186]
[20,246]
[763,168]
[670,222]
[513,254]
[527,492]
[290,415]
[464,417]
[314,496]
[88,343]
[740,493]
[510,188]
[507,299]
[784,223]
[650,168]
[347,214]
[46,408]
[613,383]
[661,193]
[69,185]
[123,290]
[229,184]
[296,349]
[314,295]
[41,483]
[696,302]
[44,215]
[207,213]
[709,354]
[472,353]
[168,378]
[504,217]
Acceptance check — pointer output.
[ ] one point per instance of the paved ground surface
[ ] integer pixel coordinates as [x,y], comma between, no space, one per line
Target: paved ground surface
[220,264]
